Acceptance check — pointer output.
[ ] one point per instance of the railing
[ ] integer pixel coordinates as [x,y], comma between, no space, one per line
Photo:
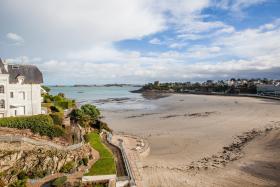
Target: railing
[40,142]
[127,165]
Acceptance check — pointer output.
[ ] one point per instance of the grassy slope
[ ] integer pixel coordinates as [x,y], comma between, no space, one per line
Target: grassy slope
[106,164]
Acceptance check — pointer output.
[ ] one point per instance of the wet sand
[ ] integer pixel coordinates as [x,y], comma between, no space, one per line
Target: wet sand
[185,129]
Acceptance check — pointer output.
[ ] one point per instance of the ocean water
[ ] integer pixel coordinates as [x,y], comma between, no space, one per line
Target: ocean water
[106,98]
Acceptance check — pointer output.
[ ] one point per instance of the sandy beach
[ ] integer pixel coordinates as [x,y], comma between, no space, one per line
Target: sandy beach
[190,139]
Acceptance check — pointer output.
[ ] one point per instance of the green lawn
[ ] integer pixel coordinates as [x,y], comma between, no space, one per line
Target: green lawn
[106,164]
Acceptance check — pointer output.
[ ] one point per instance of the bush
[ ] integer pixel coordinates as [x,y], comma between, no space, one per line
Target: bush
[35,174]
[18,183]
[57,118]
[64,104]
[85,161]
[46,88]
[99,125]
[86,138]
[56,109]
[22,175]
[47,98]
[41,124]
[68,167]
[59,181]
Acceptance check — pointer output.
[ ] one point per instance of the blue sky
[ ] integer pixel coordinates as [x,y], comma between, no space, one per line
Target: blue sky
[138,41]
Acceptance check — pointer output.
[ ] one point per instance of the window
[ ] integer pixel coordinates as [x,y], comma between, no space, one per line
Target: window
[2,89]
[11,94]
[15,67]
[2,103]
[22,95]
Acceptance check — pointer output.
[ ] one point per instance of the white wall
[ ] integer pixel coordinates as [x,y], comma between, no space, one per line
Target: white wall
[30,105]
[4,79]
[31,101]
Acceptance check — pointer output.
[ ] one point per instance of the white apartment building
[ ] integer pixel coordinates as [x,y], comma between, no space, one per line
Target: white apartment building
[20,89]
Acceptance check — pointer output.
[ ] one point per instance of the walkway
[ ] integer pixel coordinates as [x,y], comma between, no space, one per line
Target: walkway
[133,156]
[16,138]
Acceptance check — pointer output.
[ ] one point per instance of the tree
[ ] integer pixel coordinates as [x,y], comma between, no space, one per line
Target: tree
[88,114]
[91,111]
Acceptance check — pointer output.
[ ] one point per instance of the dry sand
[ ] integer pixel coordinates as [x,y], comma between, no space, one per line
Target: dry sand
[186,129]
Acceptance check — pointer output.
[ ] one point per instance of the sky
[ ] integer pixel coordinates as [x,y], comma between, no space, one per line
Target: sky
[139,41]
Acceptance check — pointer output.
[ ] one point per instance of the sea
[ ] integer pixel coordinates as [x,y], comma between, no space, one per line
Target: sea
[104,97]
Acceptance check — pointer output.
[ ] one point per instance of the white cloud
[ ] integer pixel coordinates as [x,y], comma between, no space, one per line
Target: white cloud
[238,5]
[87,30]
[177,45]
[252,42]
[164,67]
[203,52]
[15,38]
[85,21]
[155,41]
[24,60]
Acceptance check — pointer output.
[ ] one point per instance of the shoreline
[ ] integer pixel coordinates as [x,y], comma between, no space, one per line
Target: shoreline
[186,128]
[160,94]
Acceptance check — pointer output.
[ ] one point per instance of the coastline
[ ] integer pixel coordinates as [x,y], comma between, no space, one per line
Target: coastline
[150,94]
[184,128]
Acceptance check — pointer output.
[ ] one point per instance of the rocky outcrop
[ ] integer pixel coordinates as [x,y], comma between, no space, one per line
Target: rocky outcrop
[36,161]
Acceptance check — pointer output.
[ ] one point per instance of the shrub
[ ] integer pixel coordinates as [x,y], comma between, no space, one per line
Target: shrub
[47,89]
[61,95]
[35,174]
[56,109]
[99,125]
[22,175]
[86,138]
[57,118]
[66,168]
[41,124]
[18,183]
[59,182]
[47,98]
[85,161]
[64,104]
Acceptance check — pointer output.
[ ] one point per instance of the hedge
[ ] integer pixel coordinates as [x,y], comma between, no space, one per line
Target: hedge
[41,124]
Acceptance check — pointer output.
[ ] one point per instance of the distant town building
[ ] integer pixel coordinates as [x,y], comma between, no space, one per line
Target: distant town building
[268,89]
[20,89]
[156,83]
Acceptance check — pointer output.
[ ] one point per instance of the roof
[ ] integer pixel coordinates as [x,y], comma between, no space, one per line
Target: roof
[31,74]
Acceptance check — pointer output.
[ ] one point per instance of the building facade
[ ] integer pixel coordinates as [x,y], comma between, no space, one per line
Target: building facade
[20,90]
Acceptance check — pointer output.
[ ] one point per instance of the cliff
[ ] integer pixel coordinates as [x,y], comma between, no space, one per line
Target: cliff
[35,161]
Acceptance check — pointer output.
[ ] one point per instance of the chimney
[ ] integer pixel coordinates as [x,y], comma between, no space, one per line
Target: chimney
[5,63]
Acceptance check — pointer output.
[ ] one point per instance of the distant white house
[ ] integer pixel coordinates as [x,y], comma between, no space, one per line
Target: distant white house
[20,89]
